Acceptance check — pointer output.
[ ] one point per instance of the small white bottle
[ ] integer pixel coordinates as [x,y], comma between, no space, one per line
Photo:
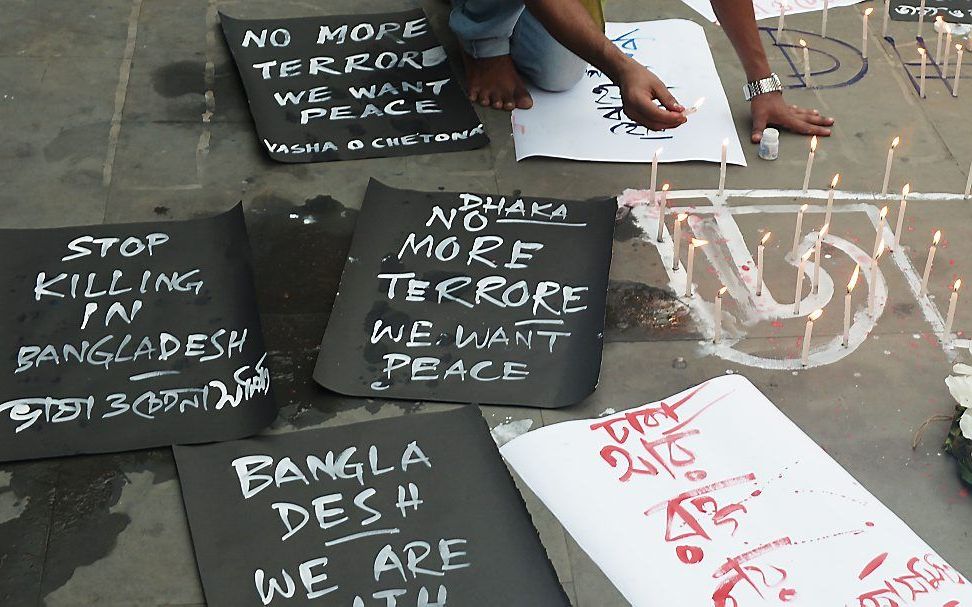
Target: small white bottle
[769,145]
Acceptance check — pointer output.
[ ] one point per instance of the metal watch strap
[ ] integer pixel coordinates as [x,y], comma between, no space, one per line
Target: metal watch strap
[770,84]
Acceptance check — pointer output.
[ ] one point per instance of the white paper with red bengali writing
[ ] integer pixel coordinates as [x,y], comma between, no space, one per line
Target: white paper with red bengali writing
[765,9]
[836,543]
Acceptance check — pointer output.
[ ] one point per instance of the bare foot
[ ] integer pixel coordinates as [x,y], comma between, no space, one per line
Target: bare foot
[494,82]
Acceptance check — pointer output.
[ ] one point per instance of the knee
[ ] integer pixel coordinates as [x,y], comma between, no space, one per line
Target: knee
[560,76]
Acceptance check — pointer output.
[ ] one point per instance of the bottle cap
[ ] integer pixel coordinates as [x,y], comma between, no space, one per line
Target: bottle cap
[771,135]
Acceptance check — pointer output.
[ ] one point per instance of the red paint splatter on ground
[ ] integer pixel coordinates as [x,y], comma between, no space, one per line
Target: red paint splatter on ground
[951,262]
[869,524]
[777,324]
[745,268]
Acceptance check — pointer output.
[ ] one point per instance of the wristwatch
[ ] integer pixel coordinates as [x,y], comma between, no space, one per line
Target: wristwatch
[771,84]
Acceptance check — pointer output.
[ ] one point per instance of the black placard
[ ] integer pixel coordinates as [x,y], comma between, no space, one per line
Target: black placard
[467,297]
[953,11]
[412,512]
[128,336]
[351,86]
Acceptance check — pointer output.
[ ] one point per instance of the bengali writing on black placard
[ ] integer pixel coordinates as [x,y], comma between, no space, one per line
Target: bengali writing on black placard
[952,11]
[472,298]
[352,86]
[407,512]
[129,336]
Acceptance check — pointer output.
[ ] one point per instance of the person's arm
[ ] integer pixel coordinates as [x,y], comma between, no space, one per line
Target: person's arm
[738,19]
[571,25]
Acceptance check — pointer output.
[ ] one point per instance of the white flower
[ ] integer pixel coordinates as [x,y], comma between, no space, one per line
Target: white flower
[965,424]
[960,385]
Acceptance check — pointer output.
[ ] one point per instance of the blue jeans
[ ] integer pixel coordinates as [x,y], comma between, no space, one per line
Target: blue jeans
[491,28]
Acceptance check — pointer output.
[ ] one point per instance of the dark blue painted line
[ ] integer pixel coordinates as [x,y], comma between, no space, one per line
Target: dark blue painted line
[771,31]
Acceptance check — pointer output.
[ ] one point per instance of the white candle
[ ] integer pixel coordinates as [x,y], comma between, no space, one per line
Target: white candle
[947,334]
[823,21]
[830,197]
[759,263]
[662,206]
[690,264]
[779,28]
[806,62]
[887,166]
[799,229]
[718,315]
[681,217]
[941,34]
[968,183]
[798,297]
[924,71]
[929,262]
[872,289]
[805,359]
[958,69]
[921,17]
[722,167]
[902,207]
[654,176]
[948,49]
[695,106]
[813,152]
[887,14]
[815,286]
[867,14]
[879,235]
[848,298]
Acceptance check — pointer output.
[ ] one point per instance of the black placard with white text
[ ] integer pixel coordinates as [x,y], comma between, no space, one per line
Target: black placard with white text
[351,86]
[952,11]
[465,297]
[128,336]
[416,511]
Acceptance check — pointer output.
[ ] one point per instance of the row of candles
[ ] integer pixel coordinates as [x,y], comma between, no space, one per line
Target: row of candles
[878,250]
[943,28]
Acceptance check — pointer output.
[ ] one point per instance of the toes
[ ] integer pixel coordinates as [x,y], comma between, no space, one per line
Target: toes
[497,105]
[523,99]
[484,99]
[474,94]
[509,106]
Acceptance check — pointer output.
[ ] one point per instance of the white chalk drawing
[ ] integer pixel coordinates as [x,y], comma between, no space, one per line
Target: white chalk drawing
[717,223]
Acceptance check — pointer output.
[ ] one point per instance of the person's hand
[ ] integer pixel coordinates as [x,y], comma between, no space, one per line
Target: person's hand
[769,109]
[640,89]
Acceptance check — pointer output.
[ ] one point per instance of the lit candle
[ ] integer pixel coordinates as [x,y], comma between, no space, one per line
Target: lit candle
[879,235]
[718,315]
[654,176]
[872,290]
[887,166]
[799,229]
[941,34]
[681,217]
[695,106]
[806,62]
[815,288]
[958,68]
[930,262]
[924,71]
[690,264]
[823,21]
[779,28]
[947,334]
[887,14]
[921,17]
[805,359]
[806,174]
[759,263]
[830,197]
[662,206]
[722,168]
[798,297]
[902,206]
[867,14]
[847,303]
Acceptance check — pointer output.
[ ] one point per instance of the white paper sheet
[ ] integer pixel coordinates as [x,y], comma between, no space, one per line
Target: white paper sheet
[587,123]
[713,497]
[771,8]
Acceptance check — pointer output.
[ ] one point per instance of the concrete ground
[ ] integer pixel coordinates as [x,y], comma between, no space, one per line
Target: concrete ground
[102,103]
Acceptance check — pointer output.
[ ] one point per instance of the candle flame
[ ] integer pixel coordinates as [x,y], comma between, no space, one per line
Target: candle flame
[665,187]
[884,212]
[853,279]
[722,292]
[868,12]
[813,144]
[658,152]
[813,317]
[681,217]
[880,250]
[938,236]
[921,52]
[696,106]
[906,190]
[895,142]
[939,18]
[766,237]
[698,243]
[959,48]
[803,43]
[804,207]
[957,285]
[835,180]
[725,142]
